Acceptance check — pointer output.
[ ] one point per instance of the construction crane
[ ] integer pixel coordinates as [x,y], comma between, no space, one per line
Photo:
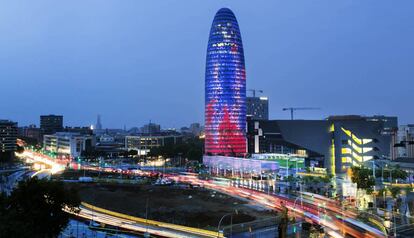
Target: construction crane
[292,109]
[254,91]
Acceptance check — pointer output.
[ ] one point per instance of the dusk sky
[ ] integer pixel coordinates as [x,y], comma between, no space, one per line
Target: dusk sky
[133,61]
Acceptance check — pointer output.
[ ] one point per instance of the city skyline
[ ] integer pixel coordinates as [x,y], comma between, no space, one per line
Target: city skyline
[79,62]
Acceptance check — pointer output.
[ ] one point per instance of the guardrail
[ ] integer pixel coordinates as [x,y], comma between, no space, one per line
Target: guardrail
[191,230]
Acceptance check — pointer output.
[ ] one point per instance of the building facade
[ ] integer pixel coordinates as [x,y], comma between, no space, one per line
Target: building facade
[83,130]
[8,138]
[257,108]
[405,141]
[225,88]
[50,124]
[144,143]
[32,132]
[150,128]
[336,143]
[68,144]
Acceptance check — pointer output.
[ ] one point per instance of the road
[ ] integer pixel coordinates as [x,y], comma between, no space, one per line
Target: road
[12,180]
[128,224]
[327,213]
[322,211]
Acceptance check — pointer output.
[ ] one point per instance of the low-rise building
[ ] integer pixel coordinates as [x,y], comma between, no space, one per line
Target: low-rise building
[144,143]
[67,143]
[257,108]
[32,132]
[337,143]
[257,165]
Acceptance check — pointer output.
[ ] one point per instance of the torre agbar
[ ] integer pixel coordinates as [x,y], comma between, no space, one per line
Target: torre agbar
[225,88]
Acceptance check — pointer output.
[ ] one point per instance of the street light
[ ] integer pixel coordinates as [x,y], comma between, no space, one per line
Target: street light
[231,223]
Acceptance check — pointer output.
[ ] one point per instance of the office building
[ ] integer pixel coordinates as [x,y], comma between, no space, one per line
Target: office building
[50,124]
[336,143]
[257,108]
[31,132]
[143,143]
[8,138]
[83,130]
[196,129]
[150,128]
[405,141]
[68,144]
[225,88]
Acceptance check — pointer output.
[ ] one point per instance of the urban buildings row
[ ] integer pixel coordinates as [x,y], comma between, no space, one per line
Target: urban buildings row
[72,142]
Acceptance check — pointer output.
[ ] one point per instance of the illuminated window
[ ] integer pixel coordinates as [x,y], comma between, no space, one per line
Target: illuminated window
[346,151]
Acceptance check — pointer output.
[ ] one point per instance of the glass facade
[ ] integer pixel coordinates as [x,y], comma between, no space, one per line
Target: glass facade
[225,88]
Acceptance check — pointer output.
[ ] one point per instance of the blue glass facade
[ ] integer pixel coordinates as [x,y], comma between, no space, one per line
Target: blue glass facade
[225,88]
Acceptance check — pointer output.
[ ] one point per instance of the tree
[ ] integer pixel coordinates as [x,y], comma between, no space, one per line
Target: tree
[395,191]
[362,177]
[19,149]
[396,173]
[191,149]
[132,152]
[35,209]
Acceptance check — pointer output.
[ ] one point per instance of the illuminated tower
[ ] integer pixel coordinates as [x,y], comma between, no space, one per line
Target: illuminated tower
[225,88]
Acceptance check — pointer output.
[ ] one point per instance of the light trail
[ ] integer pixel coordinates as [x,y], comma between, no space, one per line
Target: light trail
[142,225]
[320,215]
[313,212]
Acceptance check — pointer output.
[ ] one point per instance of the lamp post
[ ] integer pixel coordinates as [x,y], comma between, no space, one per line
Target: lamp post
[231,223]
[294,208]
[287,167]
[375,182]
[294,204]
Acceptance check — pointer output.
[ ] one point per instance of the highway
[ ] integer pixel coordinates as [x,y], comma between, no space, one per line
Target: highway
[328,214]
[141,225]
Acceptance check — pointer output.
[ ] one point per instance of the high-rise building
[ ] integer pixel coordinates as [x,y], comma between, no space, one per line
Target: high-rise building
[8,137]
[98,123]
[258,108]
[225,88]
[50,124]
[97,130]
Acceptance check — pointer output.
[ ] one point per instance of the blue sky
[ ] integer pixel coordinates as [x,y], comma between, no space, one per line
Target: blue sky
[133,61]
